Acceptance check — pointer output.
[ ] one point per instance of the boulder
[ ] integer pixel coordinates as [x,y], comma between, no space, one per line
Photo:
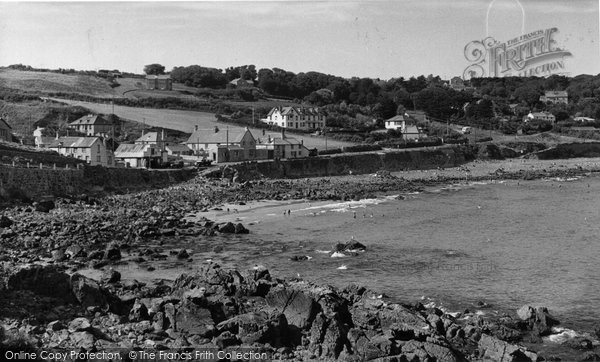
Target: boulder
[240,229]
[351,245]
[112,252]
[44,206]
[491,348]
[48,281]
[87,291]
[194,320]
[257,327]
[139,312]
[5,222]
[298,307]
[228,228]
[110,276]
[79,324]
[183,254]
[538,318]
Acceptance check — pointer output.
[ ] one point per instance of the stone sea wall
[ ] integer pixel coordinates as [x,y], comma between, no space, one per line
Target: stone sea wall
[18,182]
[359,163]
[569,150]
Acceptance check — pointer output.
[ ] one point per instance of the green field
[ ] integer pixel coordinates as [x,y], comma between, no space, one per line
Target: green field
[185,121]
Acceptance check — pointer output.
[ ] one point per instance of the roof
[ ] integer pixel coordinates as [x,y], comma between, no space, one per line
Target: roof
[211,137]
[4,124]
[237,80]
[307,111]
[178,148]
[286,141]
[73,142]
[129,150]
[545,114]
[556,94]
[95,119]
[397,118]
[149,137]
[162,76]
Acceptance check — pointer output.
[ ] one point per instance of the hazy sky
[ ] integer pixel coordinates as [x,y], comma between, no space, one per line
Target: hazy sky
[380,39]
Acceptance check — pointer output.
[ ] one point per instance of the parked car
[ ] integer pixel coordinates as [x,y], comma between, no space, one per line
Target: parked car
[203,163]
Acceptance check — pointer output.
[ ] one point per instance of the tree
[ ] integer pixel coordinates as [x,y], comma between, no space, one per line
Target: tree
[154,69]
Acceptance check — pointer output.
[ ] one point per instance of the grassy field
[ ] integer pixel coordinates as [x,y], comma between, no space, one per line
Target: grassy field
[185,121]
[46,82]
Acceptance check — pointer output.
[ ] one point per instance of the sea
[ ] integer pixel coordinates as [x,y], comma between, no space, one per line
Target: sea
[485,247]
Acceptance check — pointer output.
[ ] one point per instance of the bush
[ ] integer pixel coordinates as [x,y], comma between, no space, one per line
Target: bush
[361,148]
[330,151]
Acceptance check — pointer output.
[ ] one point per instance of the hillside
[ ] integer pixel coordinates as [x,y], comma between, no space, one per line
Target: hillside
[185,121]
[46,82]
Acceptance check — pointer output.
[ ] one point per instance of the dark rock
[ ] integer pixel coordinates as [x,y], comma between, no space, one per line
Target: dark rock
[44,206]
[112,252]
[351,245]
[538,318]
[87,291]
[110,276]
[299,258]
[225,340]
[5,222]
[193,319]
[298,307]
[228,228]
[139,312]
[491,348]
[256,328]
[55,326]
[240,229]
[48,281]
[183,254]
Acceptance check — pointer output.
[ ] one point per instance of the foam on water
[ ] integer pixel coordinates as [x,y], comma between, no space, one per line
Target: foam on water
[338,254]
[342,267]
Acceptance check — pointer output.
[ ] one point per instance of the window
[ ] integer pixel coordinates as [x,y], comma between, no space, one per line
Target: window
[98,158]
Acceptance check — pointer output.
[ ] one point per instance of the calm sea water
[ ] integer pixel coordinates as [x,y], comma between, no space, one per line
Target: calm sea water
[505,244]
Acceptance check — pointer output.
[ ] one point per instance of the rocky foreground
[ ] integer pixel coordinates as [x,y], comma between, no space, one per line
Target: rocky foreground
[50,306]
[45,308]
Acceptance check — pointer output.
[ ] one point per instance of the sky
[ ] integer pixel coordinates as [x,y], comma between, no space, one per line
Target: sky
[377,39]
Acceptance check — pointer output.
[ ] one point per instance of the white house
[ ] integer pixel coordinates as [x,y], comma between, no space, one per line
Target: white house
[296,117]
[406,126]
[92,150]
[540,116]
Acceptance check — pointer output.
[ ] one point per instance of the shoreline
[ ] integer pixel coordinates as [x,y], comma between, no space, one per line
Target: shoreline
[91,233]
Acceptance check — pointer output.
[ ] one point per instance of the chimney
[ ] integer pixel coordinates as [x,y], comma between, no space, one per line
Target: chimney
[143,133]
[56,134]
[216,129]
[263,132]
[196,128]
[282,133]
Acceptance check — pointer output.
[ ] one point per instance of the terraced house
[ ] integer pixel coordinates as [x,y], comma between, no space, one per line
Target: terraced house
[90,149]
[296,117]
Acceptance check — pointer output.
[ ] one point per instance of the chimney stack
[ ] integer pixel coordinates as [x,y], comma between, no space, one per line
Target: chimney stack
[282,133]
[196,128]
[216,129]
